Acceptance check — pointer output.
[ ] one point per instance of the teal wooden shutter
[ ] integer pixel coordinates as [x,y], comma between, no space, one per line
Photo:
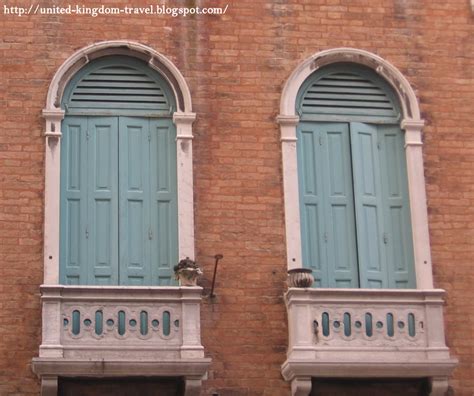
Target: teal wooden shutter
[326,202]
[148,207]
[119,219]
[384,233]
[163,204]
[89,205]
[312,202]
[73,244]
[368,197]
[135,222]
[102,217]
[340,238]
[396,208]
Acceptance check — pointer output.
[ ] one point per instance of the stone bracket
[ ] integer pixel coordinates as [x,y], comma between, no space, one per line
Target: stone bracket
[301,386]
[49,385]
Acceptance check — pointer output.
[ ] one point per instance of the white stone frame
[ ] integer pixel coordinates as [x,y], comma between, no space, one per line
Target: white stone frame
[183,118]
[411,123]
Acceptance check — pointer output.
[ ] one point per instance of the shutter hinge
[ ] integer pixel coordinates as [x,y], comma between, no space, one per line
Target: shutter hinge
[379,146]
[320,140]
[150,234]
[87,135]
[326,237]
[385,238]
[87,232]
[149,136]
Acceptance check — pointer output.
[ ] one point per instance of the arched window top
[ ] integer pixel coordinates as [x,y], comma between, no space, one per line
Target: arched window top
[153,59]
[400,86]
[118,84]
[347,91]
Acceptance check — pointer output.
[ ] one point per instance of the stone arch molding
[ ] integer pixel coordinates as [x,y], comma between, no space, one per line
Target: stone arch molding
[411,123]
[155,60]
[390,73]
[53,114]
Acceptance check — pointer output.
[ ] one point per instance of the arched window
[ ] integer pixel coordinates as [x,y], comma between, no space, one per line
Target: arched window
[355,212]
[118,197]
[118,168]
[355,199]
[353,190]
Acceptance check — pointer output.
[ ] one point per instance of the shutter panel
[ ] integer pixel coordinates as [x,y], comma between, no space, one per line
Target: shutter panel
[73,249]
[326,201]
[134,173]
[118,87]
[399,242]
[344,92]
[368,204]
[102,205]
[312,202]
[340,235]
[163,205]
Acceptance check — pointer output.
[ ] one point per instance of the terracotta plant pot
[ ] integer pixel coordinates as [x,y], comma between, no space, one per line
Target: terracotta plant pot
[300,277]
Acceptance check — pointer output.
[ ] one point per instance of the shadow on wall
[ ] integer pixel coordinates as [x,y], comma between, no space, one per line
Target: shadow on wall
[379,387]
[121,387]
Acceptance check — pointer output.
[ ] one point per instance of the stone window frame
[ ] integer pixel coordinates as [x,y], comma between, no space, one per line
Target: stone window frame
[183,118]
[411,123]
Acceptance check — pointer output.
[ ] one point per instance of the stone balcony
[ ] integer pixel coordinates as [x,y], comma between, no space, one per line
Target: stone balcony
[121,331]
[350,333]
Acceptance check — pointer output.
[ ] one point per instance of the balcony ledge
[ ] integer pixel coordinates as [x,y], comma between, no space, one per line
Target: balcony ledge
[338,369]
[120,331]
[366,333]
[61,367]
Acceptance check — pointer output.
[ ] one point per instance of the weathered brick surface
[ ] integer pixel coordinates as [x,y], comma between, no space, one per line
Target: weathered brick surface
[236,66]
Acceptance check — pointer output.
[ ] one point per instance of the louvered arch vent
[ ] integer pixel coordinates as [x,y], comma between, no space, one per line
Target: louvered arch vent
[117,87]
[344,93]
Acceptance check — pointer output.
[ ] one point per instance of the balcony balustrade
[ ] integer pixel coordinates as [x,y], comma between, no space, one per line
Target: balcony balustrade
[348,333]
[121,331]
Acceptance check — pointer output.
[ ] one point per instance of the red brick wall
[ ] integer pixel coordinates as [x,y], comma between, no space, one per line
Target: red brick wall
[236,66]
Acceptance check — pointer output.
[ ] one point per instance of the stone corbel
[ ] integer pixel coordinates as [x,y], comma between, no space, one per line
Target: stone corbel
[288,127]
[49,386]
[301,386]
[413,130]
[192,386]
[184,122]
[439,386]
[53,120]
